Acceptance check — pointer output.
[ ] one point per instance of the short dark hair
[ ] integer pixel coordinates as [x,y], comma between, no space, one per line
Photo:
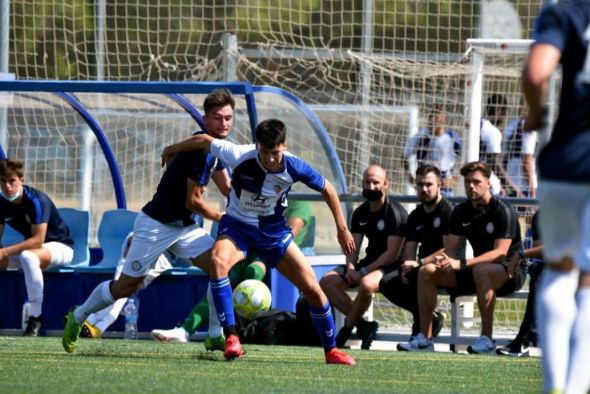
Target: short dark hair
[437,109]
[473,166]
[495,102]
[218,98]
[9,167]
[424,169]
[271,133]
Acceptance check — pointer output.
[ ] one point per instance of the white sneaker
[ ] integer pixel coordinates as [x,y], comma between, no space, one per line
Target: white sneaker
[482,345]
[418,344]
[177,334]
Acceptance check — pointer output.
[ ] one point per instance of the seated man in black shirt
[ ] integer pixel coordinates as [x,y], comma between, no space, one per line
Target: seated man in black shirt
[383,222]
[491,227]
[428,227]
[46,243]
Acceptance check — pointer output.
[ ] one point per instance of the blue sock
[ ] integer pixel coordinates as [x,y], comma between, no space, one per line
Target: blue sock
[324,324]
[221,293]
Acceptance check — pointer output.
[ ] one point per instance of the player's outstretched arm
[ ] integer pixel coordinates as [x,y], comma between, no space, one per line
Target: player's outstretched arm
[540,65]
[196,142]
[344,236]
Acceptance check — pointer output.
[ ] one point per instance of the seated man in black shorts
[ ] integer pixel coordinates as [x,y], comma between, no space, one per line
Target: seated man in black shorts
[428,227]
[383,222]
[491,227]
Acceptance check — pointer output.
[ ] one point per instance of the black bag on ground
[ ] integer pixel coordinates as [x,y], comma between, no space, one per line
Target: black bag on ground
[277,327]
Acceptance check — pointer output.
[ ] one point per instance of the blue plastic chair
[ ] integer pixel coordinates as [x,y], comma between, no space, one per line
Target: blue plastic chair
[78,222]
[10,236]
[113,229]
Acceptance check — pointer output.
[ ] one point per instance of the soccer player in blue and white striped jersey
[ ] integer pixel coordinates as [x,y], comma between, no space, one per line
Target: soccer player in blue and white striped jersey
[262,175]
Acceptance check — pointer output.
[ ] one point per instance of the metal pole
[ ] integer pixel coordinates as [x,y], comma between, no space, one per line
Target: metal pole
[545,135]
[474,89]
[101,12]
[366,79]
[4,64]
[230,57]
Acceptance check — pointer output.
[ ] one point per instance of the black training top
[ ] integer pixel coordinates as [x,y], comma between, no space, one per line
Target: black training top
[377,226]
[35,208]
[483,225]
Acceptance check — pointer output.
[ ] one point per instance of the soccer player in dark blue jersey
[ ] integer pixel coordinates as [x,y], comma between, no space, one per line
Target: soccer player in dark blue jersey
[263,174]
[46,243]
[562,35]
[167,221]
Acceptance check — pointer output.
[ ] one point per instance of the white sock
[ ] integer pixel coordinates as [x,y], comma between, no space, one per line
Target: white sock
[108,315]
[31,267]
[556,311]
[578,380]
[99,299]
[215,329]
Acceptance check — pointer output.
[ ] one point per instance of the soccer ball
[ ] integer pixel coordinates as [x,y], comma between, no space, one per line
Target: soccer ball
[251,298]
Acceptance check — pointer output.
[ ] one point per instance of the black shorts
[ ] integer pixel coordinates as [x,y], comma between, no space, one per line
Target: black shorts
[466,284]
[341,270]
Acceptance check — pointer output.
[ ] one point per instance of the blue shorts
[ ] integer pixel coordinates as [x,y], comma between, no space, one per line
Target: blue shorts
[270,244]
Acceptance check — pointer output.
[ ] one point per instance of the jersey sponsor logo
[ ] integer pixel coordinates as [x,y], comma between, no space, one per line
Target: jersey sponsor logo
[259,198]
[258,204]
[363,223]
[381,225]
[490,227]
[419,227]
[465,224]
[248,178]
[136,266]
[436,222]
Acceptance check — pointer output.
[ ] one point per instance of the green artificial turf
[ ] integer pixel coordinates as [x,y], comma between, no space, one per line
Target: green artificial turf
[114,365]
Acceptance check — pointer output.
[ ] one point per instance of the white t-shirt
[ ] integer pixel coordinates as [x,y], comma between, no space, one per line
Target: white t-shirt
[516,147]
[490,143]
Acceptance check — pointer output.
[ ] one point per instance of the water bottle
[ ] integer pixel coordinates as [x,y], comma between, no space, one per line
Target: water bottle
[26,314]
[130,312]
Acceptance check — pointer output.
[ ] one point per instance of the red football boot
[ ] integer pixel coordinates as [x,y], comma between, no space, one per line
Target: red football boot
[233,348]
[335,356]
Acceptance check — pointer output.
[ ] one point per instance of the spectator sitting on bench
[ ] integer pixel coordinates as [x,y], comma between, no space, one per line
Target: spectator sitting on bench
[46,243]
[527,333]
[428,227]
[384,223]
[491,227]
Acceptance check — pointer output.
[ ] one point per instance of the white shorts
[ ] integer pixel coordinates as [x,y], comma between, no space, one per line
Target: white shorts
[61,254]
[564,221]
[152,238]
[163,263]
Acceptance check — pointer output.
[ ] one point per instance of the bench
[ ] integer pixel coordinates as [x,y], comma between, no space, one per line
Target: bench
[325,263]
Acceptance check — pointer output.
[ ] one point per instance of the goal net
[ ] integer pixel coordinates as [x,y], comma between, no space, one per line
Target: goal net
[367,58]
[371,70]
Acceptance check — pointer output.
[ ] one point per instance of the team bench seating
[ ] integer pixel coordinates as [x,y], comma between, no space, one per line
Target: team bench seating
[457,337]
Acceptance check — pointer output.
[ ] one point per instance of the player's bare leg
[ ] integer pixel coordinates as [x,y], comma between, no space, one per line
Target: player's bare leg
[295,268]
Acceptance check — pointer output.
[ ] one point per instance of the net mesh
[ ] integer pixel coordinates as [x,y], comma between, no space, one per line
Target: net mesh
[372,89]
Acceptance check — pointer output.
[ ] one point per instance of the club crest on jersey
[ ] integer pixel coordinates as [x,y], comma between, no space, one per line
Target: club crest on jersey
[381,225]
[490,227]
[136,266]
[278,189]
[436,222]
